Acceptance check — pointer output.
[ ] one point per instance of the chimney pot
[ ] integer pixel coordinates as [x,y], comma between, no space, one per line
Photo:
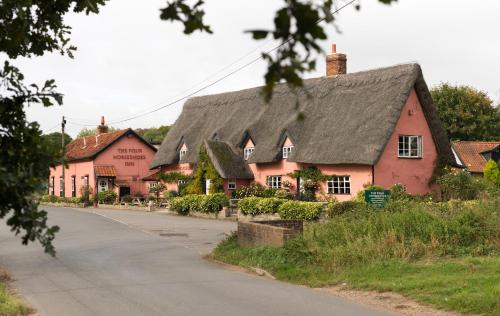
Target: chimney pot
[336,63]
[102,128]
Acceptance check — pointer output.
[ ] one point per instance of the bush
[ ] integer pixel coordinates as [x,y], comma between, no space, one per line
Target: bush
[212,203]
[283,194]
[170,194]
[460,185]
[127,199]
[360,196]
[269,205]
[49,198]
[107,197]
[254,189]
[256,205]
[179,205]
[337,208]
[300,210]
[248,206]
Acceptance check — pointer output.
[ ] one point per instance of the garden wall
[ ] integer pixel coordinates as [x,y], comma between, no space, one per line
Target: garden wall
[268,233]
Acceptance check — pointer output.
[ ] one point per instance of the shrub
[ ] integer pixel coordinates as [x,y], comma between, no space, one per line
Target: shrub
[269,205]
[49,198]
[248,206]
[398,192]
[254,189]
[492,172]
[300,210]
[338,208]
[179,205]
[360,196]
[127,199]
[214,203]
[107,197]
[85,192]
[283,194]
[170,194]
[460,185]
[269,192]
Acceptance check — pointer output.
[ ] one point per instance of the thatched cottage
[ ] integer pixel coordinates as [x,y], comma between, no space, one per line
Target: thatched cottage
[372,127]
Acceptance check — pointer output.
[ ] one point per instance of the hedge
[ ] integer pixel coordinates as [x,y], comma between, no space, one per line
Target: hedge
[338,208]
[107,197]
[212,203]
[60,199]
[257,205]
[300,210]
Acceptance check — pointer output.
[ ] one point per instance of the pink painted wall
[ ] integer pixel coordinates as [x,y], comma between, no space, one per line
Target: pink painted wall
[129,170]
[239,183]
[413,173]
[184,168]
[77,169]
[250,144]
[126,169]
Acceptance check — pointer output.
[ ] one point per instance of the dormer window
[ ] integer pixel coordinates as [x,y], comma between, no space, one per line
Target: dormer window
[247,152]
[287,150]
[182,153]
[248,149]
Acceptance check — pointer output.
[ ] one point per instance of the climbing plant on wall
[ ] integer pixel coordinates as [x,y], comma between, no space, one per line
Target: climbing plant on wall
[205,170]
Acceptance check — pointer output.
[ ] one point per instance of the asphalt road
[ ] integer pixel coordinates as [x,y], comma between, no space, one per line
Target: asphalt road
[113,262]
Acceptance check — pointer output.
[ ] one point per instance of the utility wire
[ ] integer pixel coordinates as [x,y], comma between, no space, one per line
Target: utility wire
[218,80]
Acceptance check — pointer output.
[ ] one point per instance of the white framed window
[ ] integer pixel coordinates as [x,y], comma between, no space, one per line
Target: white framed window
[152,185]
[247,152]
[86,180]
[287,150]
[339,185]
[274,182]
[182,153]
[410,146]
[231,185]
[52,180]
[73,186]
[181,182]
[61,186]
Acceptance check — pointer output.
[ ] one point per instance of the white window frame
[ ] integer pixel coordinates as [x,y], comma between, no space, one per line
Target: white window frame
[182,153]
[247,152]
[339,185]
[287,150]
[61,185]
[181,182]
[405,149]
[231,184]
[73,184]
[274,182]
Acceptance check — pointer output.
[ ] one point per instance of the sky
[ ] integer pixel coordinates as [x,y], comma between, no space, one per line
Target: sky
[129,61]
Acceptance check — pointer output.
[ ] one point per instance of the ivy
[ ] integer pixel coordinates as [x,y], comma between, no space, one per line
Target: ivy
[172,177]
[205,170]
[310,173]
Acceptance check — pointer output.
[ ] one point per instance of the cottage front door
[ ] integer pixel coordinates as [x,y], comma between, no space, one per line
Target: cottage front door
[103,184]
[207,186]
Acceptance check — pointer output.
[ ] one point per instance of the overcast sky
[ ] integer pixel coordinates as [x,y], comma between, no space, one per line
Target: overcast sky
[129,61]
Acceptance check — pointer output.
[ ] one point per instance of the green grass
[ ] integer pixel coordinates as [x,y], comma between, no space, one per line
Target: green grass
[10,305]
[446,255]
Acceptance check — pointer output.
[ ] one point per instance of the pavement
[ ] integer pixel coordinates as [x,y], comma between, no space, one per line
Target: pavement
[114,262]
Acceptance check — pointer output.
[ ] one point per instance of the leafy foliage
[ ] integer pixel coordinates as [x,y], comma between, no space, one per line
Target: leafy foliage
[460,185]
[338,208]
[300,210]
[256,189]
[26,157]
[212,203]
[205,170]
[171,177]
[257,205]
[466,113]
[492,172]
[297,27]
[153,134]
[107,197]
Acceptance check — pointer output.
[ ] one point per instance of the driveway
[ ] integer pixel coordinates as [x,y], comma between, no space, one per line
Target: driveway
[112,262]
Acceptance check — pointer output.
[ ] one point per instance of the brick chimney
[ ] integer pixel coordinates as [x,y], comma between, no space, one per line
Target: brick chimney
[336,63]
[102,128]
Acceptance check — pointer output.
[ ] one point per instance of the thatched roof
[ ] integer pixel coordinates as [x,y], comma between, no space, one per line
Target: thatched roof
[228,164]
[348,119]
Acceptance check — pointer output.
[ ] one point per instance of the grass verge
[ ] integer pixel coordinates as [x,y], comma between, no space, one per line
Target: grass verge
[9,304]
[442,255]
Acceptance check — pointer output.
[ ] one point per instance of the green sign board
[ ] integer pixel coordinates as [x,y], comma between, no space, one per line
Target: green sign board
[377,198]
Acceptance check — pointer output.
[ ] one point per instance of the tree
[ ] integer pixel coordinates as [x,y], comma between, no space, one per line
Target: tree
[492,172]
[153,134]
[29,28]
[55,139]
[92,131]
[467,114]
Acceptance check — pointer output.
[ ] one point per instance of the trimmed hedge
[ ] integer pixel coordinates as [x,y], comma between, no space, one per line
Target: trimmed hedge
[256,205]
[59,199]
[107,197]
[212,203]
[300,210]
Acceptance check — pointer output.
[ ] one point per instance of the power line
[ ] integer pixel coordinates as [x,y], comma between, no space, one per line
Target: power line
[218,80]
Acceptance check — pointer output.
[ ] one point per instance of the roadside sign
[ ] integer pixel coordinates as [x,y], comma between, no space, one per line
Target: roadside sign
[377,198]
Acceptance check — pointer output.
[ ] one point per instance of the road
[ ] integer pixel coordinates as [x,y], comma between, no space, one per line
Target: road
[113,262]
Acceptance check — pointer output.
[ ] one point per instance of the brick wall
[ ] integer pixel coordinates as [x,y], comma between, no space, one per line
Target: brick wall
[268,233]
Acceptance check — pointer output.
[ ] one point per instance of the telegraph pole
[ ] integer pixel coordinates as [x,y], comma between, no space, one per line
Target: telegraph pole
[63,124]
